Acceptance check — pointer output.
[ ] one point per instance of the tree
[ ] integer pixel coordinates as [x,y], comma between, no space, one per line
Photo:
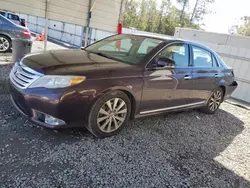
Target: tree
[164,10]
[184,4]
[200,9]
[152,16]
[147,16]
[244,28]
[130,16]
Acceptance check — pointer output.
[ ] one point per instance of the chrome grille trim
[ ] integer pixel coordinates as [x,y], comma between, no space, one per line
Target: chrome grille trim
[22,76]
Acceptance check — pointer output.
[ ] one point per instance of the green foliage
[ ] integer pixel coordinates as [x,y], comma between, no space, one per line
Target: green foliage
[146,15]
[200,9]
[243,29]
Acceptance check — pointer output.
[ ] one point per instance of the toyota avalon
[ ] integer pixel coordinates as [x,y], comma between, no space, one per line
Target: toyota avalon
[116,79]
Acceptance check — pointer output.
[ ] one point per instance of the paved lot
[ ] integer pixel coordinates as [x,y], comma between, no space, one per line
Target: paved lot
[187,149]
[36,47]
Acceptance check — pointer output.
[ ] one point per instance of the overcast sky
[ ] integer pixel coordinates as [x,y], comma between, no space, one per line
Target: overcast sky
[227,13]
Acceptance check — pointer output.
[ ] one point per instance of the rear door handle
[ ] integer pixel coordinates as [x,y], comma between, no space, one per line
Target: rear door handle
[187,77]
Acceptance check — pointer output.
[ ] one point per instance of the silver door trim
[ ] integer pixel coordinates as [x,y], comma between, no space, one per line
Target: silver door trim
[171,108]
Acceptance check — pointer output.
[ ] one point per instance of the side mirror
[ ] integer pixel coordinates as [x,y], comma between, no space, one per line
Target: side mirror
[165,62]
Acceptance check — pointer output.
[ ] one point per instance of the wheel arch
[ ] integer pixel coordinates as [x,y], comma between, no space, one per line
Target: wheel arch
[223,86]
[129,92]
[133,102]
[5,35]
[223,89]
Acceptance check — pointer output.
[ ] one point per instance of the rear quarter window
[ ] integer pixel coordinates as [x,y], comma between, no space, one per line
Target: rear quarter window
[202,57]
[221,62]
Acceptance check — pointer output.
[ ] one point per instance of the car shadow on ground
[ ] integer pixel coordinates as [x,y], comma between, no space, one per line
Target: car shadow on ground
[191,144]
[180,147]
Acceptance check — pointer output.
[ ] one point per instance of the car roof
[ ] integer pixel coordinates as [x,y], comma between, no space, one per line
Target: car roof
[167,38]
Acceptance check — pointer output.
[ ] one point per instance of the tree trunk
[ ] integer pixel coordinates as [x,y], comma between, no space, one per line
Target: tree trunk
[194,10]
[183,11]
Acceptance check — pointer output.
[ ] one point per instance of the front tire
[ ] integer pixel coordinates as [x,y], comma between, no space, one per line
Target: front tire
[213,102]
[109,114]
[5,44]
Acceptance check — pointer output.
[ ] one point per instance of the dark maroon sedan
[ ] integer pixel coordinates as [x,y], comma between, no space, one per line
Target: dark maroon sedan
[118,78]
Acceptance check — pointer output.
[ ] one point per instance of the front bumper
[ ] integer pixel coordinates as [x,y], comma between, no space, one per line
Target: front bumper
[69,106]
[34,118]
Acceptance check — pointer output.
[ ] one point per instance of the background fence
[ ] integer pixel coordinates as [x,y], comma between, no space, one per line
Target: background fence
[235,51]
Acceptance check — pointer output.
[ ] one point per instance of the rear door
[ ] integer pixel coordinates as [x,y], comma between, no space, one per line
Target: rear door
[205,73]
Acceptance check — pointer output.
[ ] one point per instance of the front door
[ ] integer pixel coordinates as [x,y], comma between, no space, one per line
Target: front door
[167,87]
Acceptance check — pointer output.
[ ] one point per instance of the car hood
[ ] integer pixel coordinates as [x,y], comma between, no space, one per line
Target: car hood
[72,62]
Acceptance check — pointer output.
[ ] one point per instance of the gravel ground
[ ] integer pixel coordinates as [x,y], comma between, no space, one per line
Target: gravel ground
[187,149]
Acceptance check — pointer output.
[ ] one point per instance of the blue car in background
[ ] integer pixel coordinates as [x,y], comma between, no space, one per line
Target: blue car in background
[13,17]
[10,30]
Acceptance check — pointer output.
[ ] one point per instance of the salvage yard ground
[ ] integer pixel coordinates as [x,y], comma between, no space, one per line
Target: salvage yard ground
[187,149]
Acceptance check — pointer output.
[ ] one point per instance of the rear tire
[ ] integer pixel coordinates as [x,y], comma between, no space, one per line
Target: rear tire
[109,114]
[213,102]
[5,44]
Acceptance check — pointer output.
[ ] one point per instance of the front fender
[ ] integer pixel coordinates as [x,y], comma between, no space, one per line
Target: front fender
[131,86]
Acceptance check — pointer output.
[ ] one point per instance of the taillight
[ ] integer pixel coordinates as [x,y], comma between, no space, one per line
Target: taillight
[26,33]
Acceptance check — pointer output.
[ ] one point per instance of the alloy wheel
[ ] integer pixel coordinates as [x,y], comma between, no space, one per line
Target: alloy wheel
[215,100]
[112,115]
[4,44]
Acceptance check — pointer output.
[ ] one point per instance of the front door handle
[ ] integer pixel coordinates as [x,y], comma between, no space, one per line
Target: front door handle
[216,76]
[187,77]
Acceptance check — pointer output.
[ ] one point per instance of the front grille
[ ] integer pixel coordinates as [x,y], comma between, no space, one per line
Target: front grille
[22,76]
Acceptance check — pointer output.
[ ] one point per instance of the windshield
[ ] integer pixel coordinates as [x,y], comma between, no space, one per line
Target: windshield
[126,48]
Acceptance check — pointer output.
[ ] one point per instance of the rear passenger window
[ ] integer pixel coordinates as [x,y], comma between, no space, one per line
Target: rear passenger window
[202,58]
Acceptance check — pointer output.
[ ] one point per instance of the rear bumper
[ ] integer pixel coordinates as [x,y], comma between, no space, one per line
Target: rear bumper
[230,89]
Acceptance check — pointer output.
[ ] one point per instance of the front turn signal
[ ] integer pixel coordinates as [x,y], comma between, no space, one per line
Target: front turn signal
[77,80]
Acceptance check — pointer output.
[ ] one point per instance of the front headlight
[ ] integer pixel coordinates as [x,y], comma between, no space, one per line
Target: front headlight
[57,81]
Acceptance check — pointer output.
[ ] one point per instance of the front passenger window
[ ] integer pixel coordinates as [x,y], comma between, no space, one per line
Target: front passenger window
[178,53]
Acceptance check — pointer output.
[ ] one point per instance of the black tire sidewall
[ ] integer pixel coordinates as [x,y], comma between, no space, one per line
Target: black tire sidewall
[92,124]
[9,44]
